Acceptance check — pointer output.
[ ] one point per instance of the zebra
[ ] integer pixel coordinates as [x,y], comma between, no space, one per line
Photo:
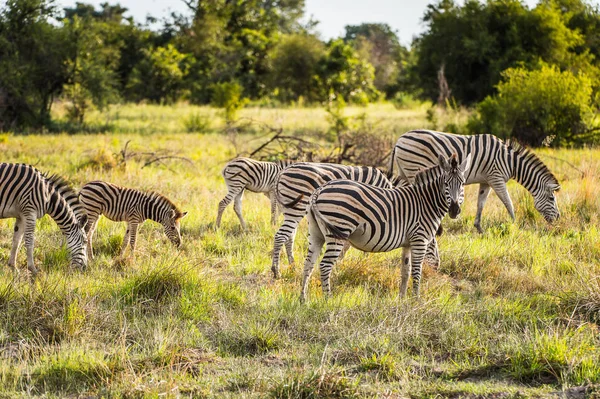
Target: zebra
[375,219]
[27,194]
[494,163]
[247,174]
[121,204]
[295,186]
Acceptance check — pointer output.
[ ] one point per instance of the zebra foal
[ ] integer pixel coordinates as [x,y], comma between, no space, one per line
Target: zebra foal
[121,204]
[375,219]
[26,195]
[247,174]
[295,186]
[493,164]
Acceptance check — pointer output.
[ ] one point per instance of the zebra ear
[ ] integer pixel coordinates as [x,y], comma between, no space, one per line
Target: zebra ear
[465,164]
[183,214]
[443,162]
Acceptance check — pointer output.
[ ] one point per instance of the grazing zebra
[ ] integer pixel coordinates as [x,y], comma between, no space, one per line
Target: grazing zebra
[494,163]
[26,194]
[121,204]
[256,176]
[295,186]
[375,219]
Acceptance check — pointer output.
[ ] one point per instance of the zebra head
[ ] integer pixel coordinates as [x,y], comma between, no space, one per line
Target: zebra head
[77,243]
[172,227]
[544,200]
[454,178]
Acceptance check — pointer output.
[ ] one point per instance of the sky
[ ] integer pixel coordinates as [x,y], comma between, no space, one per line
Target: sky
[404,16]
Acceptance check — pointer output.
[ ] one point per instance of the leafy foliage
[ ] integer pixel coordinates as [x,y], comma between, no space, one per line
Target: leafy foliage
[379,45]
[538,106]
[477,41]
[160,75]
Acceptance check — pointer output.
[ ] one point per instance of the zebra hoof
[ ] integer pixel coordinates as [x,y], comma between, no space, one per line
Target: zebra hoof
[276,274]
[479,229]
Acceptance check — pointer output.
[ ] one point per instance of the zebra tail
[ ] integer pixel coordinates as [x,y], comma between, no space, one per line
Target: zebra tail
[390,172]
[294,202]
[331,229]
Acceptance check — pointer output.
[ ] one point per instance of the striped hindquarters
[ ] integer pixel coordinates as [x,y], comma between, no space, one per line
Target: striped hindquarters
[374,219]
[249,174]
[419,149]
[298,182]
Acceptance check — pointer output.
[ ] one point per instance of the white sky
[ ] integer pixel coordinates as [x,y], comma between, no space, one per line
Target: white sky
[404,16]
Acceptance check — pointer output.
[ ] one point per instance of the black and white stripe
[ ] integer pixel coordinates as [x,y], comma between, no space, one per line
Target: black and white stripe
[27,195]
[247,174]
[295,186]
[122,204]
[375,219]
[493,164]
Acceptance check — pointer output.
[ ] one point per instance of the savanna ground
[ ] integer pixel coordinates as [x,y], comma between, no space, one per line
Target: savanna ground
[510,313]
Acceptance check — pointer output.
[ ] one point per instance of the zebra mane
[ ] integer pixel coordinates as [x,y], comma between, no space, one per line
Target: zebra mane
[165,200]
[427,175]
[524,152]
[65,190]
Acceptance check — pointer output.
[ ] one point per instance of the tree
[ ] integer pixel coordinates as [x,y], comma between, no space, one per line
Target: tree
[477,41]
[342,73]
[295,62]
[379,45]
[160,76]
[231,40]
[93,79]
[33,68]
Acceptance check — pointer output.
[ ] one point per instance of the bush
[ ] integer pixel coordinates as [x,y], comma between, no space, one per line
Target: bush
[538,107]
[228,95]
[196,123]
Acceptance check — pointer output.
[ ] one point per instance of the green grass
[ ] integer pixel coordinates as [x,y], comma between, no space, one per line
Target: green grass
[511,313]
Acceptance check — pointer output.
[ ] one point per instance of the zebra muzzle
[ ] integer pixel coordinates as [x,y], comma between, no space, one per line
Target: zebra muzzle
[454,210]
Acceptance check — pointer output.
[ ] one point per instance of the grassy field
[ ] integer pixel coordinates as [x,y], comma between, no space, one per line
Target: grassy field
[510,313]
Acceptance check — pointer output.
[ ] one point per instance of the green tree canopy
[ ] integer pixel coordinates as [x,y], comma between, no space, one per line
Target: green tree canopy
[475,42]
[379,45]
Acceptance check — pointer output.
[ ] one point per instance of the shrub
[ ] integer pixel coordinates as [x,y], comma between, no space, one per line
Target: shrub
[196,123]
[228,95]
[538,107]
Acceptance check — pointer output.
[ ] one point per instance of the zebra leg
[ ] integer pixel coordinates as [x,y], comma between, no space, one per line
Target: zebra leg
[484,191]
[289,247]
[316,241]
[16,244]
[29,242]
[432,255]
[90,228]
[125,239]
[287,229]
[499,187]
[274,208]
[237,207]
[231,194]
[417,253]
[133,236]
[405,271]
[332,253]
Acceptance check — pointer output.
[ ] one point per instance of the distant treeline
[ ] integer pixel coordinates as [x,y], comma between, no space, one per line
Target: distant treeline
[267,52]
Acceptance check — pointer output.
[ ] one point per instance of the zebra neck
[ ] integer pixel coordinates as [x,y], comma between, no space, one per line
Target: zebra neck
[434,198]
[524,171]
[151,207]
[60,211]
